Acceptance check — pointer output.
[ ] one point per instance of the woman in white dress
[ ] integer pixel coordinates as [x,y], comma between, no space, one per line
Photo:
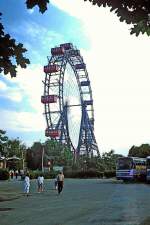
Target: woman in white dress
[27,184]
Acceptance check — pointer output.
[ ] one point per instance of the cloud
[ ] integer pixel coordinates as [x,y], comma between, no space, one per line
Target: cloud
[21,121]
[118,67]
[29,118]
[3,86]
[9,92]
[30,11]
[37,34]
[29,84]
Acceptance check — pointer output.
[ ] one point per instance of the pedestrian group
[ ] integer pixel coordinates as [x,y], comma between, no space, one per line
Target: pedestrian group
[58,183]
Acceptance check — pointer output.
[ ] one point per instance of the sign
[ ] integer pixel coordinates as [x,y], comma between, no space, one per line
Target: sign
[58,168]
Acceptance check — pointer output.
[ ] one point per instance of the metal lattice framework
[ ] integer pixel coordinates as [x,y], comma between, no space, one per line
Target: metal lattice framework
[66,78]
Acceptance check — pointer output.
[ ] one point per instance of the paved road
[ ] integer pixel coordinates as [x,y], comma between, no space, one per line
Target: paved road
[83,202]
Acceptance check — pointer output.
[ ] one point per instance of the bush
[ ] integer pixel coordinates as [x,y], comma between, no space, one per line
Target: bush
[83,174]
[91,173]
[4,174]
[110,173]
[46,175]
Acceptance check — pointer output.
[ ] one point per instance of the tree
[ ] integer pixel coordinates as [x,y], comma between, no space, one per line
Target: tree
[132,12]
[142,151]
[34,156]
[60,154]
[3,143]
[11,54]
[109,160]
[55,152]
[42,4]
[15,148]
[29,159]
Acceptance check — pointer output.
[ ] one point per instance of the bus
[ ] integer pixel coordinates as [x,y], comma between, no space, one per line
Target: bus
[148,169]
[131,168]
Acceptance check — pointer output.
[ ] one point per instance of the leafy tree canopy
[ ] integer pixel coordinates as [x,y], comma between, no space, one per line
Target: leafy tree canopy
[132,12]
[42,4]
[3,142]
[142,151]
[15,148]
[11,54]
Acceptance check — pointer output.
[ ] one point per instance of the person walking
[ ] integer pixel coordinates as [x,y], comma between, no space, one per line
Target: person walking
[56,183]
[16,174]
[60,181]
[12,174]
[40,183]
[27,184]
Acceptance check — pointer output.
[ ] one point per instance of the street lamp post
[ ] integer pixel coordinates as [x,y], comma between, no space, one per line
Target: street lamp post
[22,159]
[42,158]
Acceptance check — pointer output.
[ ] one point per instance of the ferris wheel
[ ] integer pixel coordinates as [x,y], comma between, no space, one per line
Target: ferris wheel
[68,102]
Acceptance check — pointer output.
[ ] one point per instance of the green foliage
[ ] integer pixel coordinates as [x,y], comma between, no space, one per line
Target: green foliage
[3,142]
[11,54]
[47,175]
[142,151]
[110,173]
[14,147]
[34,156]
[132,12]
[14,164]
[56,153]
[109,160]
[42,4]
[4,174]
[91,173]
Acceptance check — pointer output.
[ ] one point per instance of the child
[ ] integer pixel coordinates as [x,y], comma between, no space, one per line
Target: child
[27,184]
[40,182]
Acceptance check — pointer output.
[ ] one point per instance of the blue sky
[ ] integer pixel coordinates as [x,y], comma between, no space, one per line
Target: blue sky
[118,66]
[39,33]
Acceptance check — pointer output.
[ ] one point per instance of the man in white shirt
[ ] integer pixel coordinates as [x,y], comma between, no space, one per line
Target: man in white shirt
[60,181]
[27,184]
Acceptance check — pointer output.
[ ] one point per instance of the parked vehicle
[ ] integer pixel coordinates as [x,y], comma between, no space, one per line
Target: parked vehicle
[148,169]
[131,168]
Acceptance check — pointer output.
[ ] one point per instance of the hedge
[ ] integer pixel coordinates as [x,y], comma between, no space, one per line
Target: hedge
[110,173]
[91,173]
[46,175]
[83,174]
[4,174]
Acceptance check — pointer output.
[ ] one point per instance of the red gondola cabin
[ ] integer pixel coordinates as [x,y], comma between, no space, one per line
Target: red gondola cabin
[80,66]
[51,68]
[49,99]
[88,102]
[85,83]
[74,52]
[52,133]
[67,46]
[57,51]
